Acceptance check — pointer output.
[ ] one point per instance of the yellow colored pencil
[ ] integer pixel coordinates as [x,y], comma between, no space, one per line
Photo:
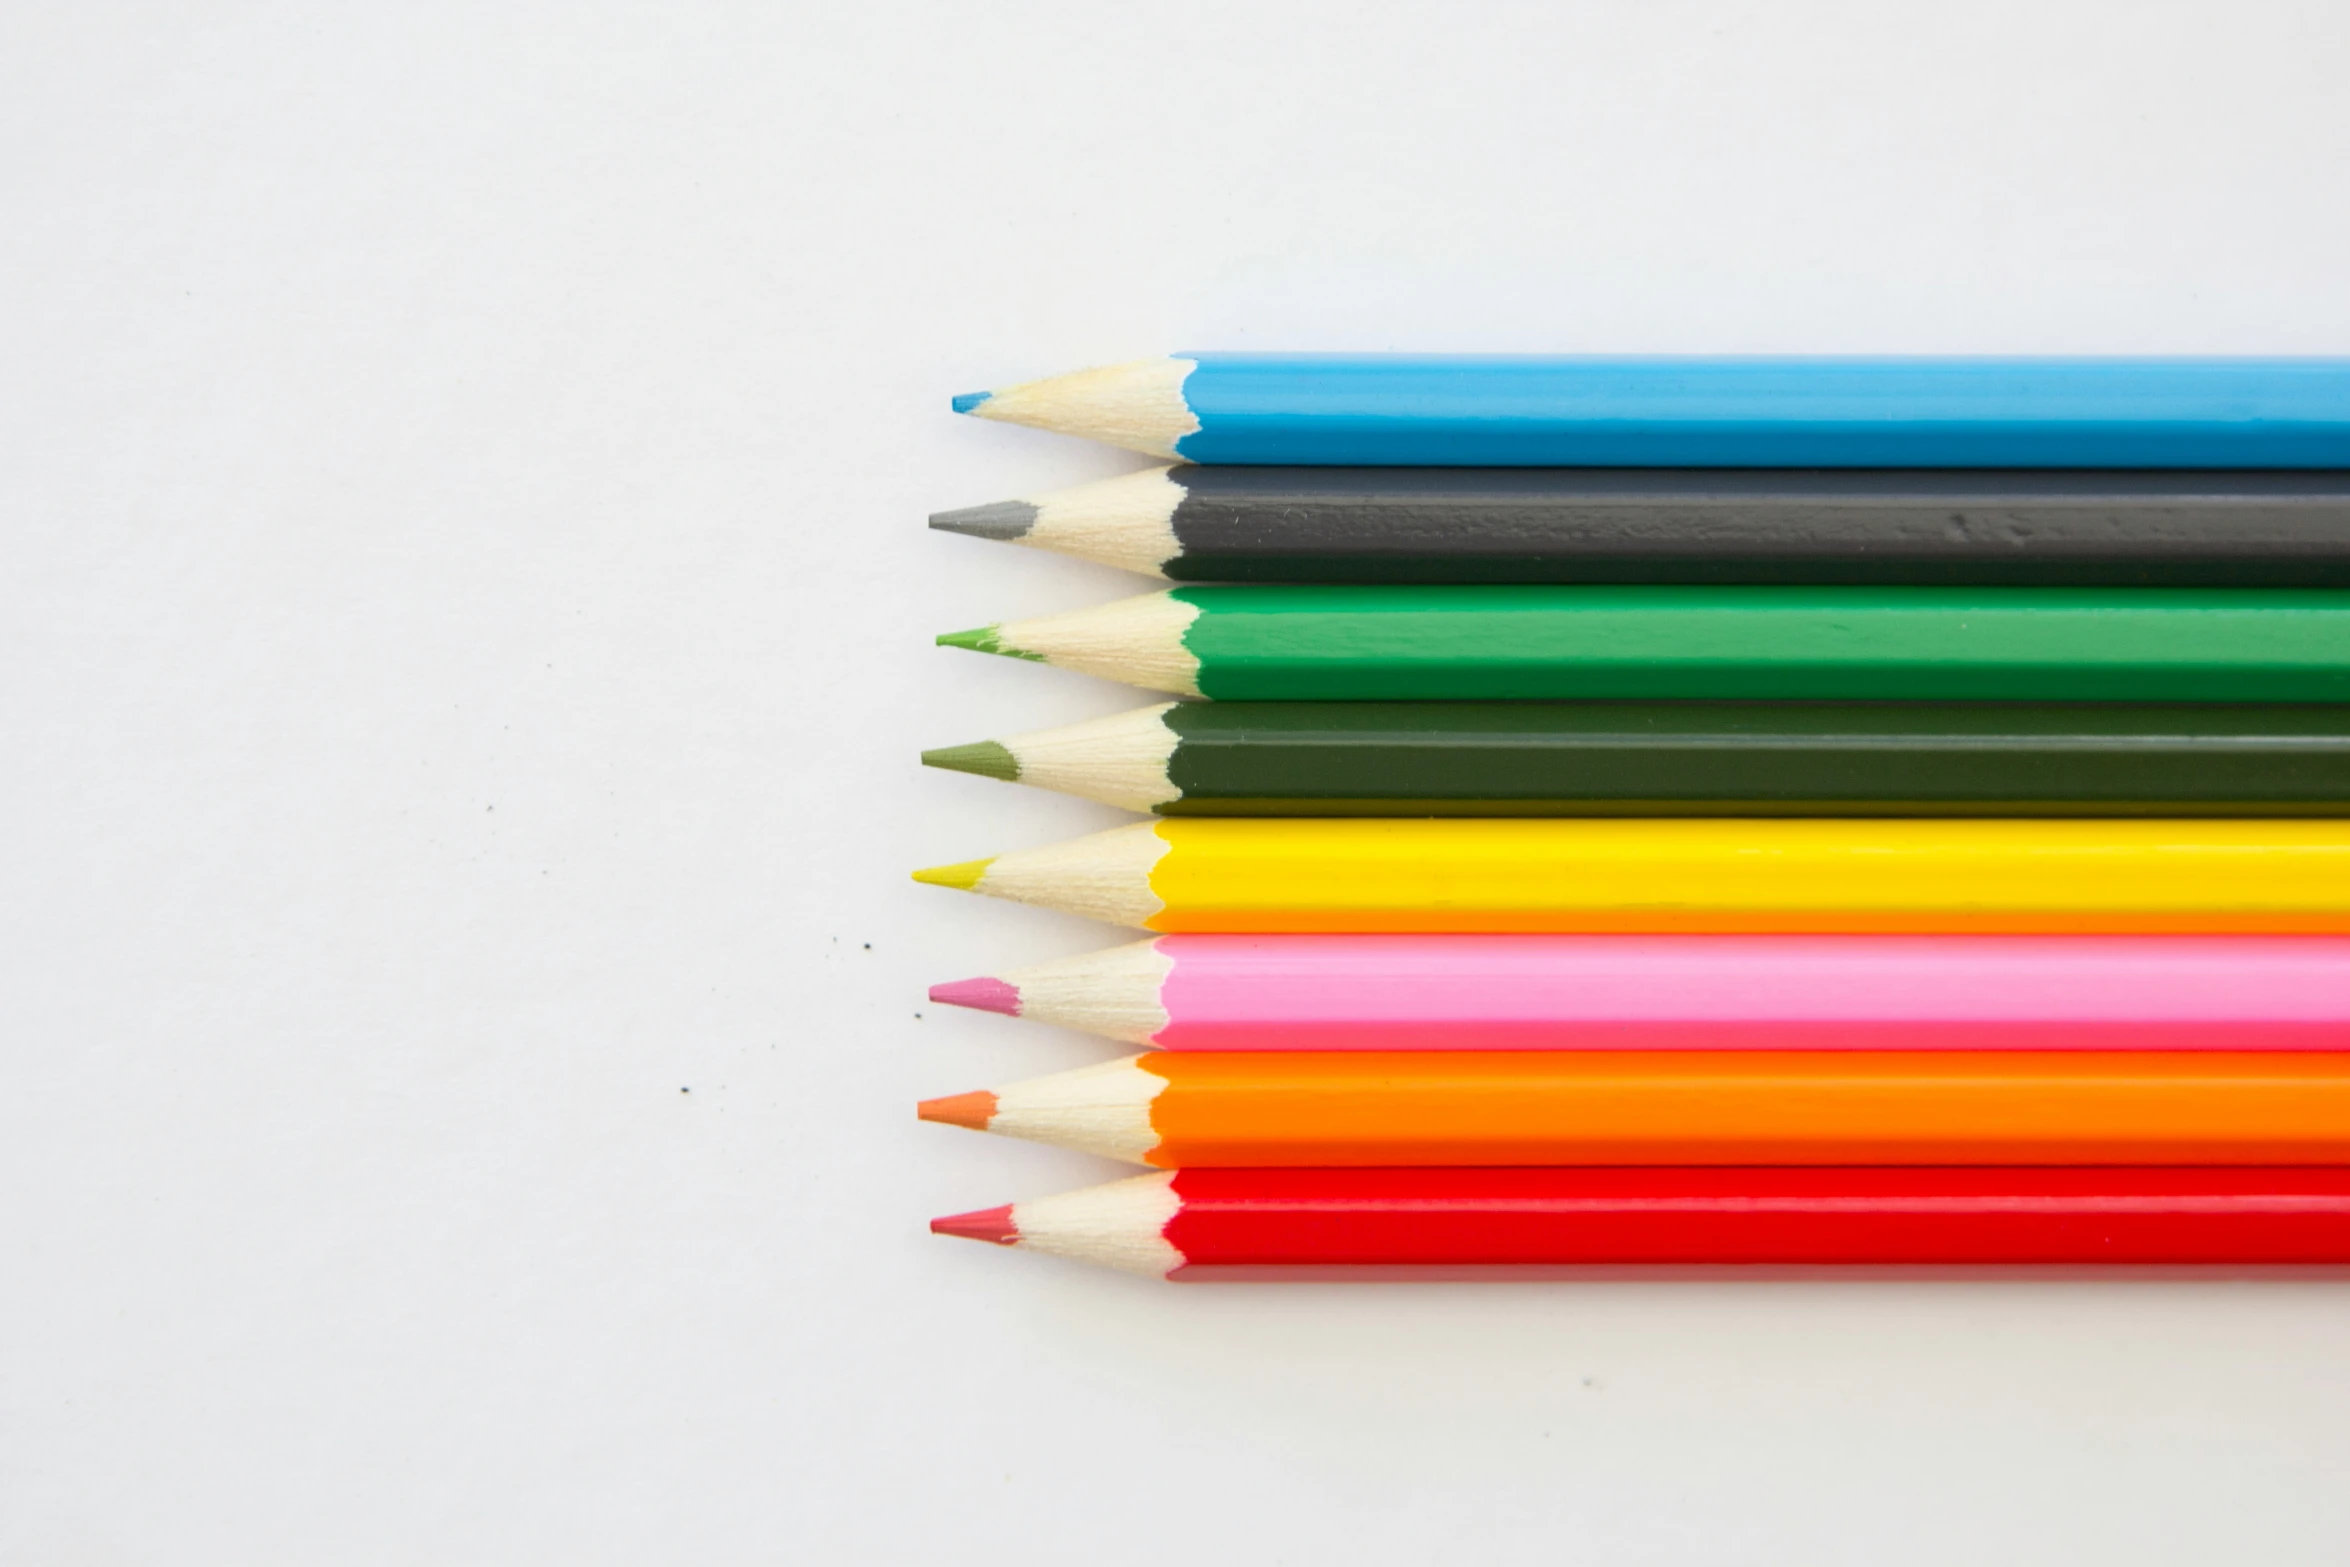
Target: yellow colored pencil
[1688,875]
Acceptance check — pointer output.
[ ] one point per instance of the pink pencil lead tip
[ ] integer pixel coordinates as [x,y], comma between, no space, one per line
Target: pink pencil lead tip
[987,995]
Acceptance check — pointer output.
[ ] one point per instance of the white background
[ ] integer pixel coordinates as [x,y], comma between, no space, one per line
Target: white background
[466,615]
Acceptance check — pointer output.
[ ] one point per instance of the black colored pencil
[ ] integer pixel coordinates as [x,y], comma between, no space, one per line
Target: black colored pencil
[1979,526]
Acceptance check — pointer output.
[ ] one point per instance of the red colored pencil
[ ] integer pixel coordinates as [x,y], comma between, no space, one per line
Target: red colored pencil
[1246,1223]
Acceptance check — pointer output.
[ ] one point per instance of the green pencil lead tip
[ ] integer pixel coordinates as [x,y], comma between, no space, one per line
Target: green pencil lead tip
[988,639]
[986,758]
[982,640]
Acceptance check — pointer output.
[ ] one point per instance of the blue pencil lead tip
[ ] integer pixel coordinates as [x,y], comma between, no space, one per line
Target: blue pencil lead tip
[966,401]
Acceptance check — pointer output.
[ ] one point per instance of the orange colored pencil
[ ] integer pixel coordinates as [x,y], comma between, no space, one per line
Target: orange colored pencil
[1532,1107]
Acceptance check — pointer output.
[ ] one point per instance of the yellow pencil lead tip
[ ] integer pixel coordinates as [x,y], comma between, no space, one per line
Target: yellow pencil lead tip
[964,875]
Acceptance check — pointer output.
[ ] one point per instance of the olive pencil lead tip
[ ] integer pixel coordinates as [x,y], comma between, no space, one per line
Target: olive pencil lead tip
[981,639]
[963,875]
[1003,520]
[993,1225]
[974,1110]
[984,757]
[986,994]
[969,402]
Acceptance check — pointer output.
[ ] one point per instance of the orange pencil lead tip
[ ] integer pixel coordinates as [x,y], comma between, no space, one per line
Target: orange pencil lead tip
[984,1224]
[972,1110]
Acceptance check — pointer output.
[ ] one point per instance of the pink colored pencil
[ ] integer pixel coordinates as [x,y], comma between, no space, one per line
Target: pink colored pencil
[1700,992]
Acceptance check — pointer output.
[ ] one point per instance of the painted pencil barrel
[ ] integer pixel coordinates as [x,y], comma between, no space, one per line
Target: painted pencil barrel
[1311,992]
[1234,1219]
[1689,759]
[1615,411]
[1176,1110]
[2118,528]
[1365,644]
[1361,758]
[1663,875]
[1212,1224]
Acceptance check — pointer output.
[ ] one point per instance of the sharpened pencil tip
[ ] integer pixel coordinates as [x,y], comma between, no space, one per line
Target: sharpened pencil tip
[996,520]
[987,994]
[984,757]
[974,1110]
[993,1225]
[979,640]
[963,875]
[968,402]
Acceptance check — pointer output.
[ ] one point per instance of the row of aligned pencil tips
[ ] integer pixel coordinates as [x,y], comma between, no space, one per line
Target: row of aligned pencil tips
[1699,813]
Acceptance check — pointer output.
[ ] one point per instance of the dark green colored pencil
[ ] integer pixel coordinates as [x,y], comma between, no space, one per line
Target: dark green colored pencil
[1689,759]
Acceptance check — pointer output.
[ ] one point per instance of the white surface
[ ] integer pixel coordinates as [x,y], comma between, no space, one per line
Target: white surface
[456,459]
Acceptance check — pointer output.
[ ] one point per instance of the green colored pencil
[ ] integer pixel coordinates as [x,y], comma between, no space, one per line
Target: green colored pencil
[1513,643]
[1688,759]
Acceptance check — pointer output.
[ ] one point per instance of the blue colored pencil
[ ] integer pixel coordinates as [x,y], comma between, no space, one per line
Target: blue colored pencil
[1398,411]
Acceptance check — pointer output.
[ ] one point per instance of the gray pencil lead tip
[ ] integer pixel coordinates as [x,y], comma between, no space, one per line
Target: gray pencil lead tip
[996,520]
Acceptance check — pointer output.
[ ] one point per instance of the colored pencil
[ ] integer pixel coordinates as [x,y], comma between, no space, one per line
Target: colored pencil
[1696,874]
[1423,410]
[2126,528]
[1175,1109]
[1372,644]
[1687,758]
[1199,1225]
[1691,993]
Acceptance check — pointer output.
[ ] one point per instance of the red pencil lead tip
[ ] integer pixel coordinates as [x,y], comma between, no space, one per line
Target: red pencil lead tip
[982,1224]
[972,1110]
